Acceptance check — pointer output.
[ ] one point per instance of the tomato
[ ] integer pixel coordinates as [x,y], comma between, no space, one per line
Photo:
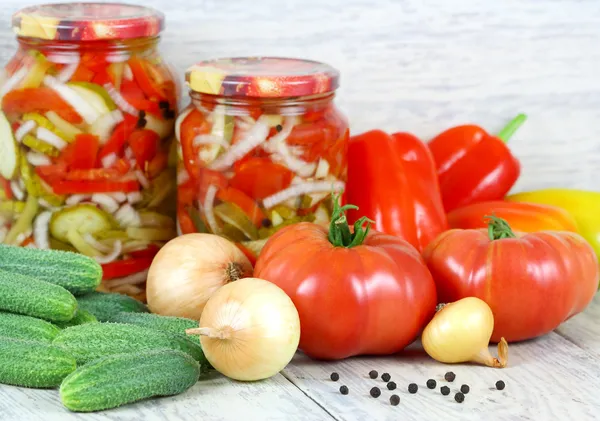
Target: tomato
[127,267]
[82,74]
[117,140]
[192,125]
[134,95]
[532,282]
[51,174]
[186,224]
[30,100]
[94,174]
[249,206]
[82,153]
[142,76]
[144,144]
[360,295]
[259,178]
[90,187]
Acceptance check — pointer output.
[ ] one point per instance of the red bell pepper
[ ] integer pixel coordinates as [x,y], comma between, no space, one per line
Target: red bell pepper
[126,267]
[474,166]
[90,187]
[117,140]
[260,177]
[144,144]
[244,202]
[192,125]
[82,153]
[30,100]
[142,76]
[392,180]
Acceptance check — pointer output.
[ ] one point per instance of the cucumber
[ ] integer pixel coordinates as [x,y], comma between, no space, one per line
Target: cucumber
[87,218]
[8,149]
[81,317]
[104,305]
[74,272]
[154,321]
[94,340]
[33,364]
[117,380]
[26,295]
[28,328]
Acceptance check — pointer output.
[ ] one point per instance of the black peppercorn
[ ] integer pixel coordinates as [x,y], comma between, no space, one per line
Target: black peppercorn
[375,392]
[279,128]
[445,390]
[465,388]
[386,377]
[500,385]
[431,384]
[459,397]
[344,390]
[412,388]
[391,386]
[266,223]
[449,376]
[168,114]
[334,376]
[394,400]
[141,123]
[373,374]
[163,105]
[142,114]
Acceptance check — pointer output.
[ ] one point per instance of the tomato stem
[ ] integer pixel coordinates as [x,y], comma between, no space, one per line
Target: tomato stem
[498,228]
[510,129]
[339,231]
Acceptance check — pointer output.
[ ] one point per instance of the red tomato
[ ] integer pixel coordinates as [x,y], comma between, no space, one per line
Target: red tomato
[126,267]
[142,76]
[192,125]
[185,221]
[82,153]
[373,298]
[144,144]
[29,100]
[259,178]
[120,134]
[532,282]
[90,187]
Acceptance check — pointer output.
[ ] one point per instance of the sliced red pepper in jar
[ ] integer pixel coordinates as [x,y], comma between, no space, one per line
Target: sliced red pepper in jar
[142,76]
[31,100]
[82,153]
[248,253]
[244,202]
[150,252]
[51,174]
[125,267]
[185,221]
[82,74]
[133,94]
[192,125]
[158,164]
[144,144]
[90,187]
[93,174]
[117,140]
[5,184]
[260,177]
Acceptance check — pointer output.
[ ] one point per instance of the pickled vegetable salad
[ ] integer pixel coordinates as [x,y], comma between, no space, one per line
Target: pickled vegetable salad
[256,175]
[84,144]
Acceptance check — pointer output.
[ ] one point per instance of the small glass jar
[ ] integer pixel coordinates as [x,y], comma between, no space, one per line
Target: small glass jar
[88,110]
[261,146]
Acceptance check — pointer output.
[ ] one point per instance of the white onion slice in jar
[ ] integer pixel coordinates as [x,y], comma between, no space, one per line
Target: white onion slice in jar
[127,73]
[134,279]
[254,137]
[118,196]
[143,180]
[40,230]
[301,189]
[134,197]
[117,57]
[22,237]
[182,177]
[12,82]
[123,105]
[76,198]
[50,138]
[85,110]
[62,58]
[127,216]
[208,207]
[101,247]
[105,124]
[37,159]
[106,202]
[112,256]
[17,190]
[109,160]
[179,120]
[209,139]
[68,71]
[24,129]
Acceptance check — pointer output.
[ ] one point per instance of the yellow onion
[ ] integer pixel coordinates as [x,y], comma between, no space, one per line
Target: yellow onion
[250,330]
[461,332]
[188,270]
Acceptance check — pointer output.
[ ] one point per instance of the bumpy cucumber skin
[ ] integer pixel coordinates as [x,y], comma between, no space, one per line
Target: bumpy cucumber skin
[117,380]
[18,326]
[154,321]
[23,294]
[104,305]
[81,317]
[33,364]
[75,272]
[95,340]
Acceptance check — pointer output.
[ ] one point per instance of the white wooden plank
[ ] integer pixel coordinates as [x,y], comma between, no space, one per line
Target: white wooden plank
[213,399]
[549,378]
[584,329]
[423,66]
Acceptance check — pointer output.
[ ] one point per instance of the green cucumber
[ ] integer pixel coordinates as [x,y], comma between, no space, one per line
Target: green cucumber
[28,328]
[158,322]
[76,273]
[26,295]
[104,305]
[81,317]
[33,364]
[117,380]
[94,340]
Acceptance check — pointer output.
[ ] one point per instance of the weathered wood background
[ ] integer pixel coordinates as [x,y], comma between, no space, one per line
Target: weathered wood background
[422,66]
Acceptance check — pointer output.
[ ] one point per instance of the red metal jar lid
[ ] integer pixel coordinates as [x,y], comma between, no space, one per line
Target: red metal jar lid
[262,77]
[87,21]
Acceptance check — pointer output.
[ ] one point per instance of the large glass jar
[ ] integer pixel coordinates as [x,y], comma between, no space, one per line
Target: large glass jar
[261,146]
[88,110]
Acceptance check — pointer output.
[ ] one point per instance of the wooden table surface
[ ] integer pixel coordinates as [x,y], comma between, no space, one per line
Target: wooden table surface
[556,377]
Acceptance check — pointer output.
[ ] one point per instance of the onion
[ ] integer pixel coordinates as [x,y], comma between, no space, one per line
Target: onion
[50,138]
[127,73]
[144,182]
[67,72]
[461,331]
[62,58]
[80,105]
[24,129]
[210,139]
[207,206]
[109,160]
[249,330]
[134,197]
[127,216]
[300,189]
[118,99]
[40,230]
[13,81]
[118,196]
[17,190]
[37,159]
[188,270]
[182,177]
[76,198]
[106,202]
[133,279]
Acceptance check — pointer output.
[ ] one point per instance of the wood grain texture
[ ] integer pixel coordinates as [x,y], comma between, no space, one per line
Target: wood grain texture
[584,329]
[424,66]
[212,399]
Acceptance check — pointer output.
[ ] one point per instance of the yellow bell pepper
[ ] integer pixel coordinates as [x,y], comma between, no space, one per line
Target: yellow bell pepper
[583,205]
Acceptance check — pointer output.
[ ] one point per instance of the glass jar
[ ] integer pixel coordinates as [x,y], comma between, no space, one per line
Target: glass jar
[261,146]
[88,110]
